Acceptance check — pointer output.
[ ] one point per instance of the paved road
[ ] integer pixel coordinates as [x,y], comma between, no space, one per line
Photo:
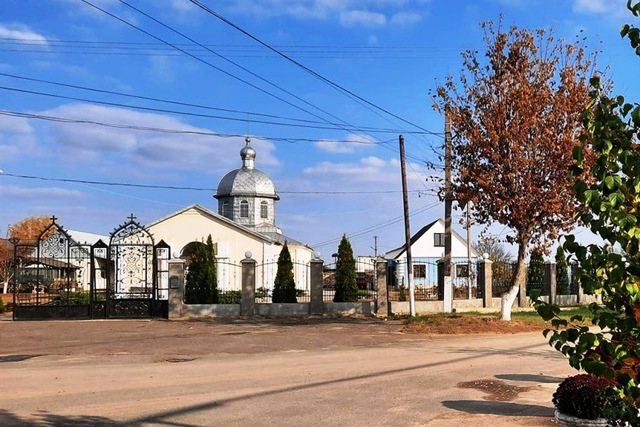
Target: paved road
[320,372]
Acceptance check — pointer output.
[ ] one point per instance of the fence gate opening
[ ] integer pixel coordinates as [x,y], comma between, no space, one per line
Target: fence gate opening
[56,277]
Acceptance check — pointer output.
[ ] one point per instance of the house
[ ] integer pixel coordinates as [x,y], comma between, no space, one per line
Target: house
[427,248]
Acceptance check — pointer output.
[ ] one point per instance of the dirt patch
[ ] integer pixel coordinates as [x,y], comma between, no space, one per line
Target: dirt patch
[469,325]
[497,391]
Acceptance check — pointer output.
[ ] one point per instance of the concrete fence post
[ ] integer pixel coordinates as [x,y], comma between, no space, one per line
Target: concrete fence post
[551,282]
[176,287]
[485,282]
[248,301]
[382,290]
[316,305]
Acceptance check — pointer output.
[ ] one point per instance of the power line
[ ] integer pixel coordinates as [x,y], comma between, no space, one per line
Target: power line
[173,187]
[161,110]
[305,68]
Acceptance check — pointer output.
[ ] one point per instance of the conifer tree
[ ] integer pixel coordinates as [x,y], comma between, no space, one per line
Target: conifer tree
[346,286]
[562,272]
[535,273]
[202,282]
[284,286]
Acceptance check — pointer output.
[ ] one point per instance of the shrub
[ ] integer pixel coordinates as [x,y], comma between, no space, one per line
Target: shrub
[582,396]
[284,285]
[402,292]
[230,297]
[346,285]
[1,305]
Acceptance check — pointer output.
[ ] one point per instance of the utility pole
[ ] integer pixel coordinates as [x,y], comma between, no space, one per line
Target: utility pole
[448,285]
[407,229]
[375,246]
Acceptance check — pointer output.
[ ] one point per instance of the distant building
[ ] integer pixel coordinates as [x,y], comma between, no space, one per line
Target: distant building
[427,248]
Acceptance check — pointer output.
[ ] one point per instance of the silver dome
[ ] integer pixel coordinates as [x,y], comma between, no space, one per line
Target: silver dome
[247,181]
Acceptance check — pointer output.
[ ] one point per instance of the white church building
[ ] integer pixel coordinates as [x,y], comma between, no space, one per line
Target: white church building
[245,221]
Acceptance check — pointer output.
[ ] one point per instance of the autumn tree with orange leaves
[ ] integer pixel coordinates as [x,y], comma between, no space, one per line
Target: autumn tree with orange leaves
[515,118]
[27,230]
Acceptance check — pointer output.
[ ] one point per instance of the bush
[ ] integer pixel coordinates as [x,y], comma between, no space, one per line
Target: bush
[402,293]
[583,396]
[2,308]
[229,297]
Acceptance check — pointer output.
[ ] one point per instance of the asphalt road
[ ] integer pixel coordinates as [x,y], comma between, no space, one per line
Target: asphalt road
[346,372]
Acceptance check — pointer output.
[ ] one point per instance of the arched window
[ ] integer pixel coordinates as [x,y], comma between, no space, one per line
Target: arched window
[244,209]
[264,211]
[225,210]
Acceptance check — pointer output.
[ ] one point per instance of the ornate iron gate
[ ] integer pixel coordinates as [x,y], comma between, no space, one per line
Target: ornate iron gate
[132,276]
[52,277]
[56,277]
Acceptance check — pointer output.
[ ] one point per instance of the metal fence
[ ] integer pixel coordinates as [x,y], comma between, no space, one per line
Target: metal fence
[229,282]
[365,281]
[265,278]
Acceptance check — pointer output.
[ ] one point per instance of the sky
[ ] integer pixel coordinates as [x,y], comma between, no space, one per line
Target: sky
[163,93]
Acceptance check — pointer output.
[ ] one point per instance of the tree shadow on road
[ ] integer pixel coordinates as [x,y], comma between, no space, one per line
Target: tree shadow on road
[531,377]
[8,419]
[499,408]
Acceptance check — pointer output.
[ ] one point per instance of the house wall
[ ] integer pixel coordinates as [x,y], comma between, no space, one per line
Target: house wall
[194,225]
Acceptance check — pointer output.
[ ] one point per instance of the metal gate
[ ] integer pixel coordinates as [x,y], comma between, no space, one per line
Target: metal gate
[58,278]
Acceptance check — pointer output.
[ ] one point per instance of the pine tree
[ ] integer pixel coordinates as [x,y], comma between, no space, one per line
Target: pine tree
[346,286]
[284,285]
[562,272]
[535,272]
[202,283]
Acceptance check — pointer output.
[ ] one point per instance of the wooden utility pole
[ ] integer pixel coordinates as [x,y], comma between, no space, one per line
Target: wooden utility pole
[407,229]
[448,285]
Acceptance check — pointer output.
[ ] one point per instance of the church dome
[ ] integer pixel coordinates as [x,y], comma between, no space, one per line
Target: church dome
[246,181]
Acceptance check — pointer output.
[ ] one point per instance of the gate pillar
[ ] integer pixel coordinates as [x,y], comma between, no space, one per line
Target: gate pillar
[248,301]
[316,306]
[176,287]
[382,290]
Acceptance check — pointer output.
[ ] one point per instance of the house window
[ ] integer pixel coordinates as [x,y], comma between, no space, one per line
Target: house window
[244,209]
[462,270]
[225,210]
[438,239]
[264,213]
[419,271]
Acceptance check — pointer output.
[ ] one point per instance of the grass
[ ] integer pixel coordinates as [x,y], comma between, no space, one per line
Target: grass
[486,323]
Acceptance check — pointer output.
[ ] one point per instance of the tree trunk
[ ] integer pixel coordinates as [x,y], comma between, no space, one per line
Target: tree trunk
[517,284]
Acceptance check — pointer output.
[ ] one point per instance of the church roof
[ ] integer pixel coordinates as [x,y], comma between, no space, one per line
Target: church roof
[246,181]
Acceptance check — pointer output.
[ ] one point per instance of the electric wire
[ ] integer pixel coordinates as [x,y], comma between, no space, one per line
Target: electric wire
[174,187]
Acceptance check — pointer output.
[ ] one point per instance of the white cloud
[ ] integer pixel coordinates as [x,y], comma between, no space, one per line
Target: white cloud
[23,33]
[38,193]
[406,18]
[140,149]
[611,8]
[349,146]
[364,18]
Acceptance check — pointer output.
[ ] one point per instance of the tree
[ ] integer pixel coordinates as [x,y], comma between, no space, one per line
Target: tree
[612,210]
[536,272]
[491,245]
[562,272]
[202,282]
[284,285]
[27,230]
[346,286]
[515,119]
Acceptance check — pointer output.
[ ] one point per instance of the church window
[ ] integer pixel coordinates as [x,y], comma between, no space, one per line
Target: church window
[264,213]
[244,209]
[225,209]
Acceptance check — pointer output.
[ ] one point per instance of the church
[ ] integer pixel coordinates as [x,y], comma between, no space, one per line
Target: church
[245,221]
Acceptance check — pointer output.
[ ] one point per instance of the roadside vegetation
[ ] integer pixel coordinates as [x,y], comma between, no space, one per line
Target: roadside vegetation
[486,323]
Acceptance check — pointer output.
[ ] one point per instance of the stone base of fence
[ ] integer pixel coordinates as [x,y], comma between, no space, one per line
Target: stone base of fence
[275,309]
[210,310]
[349,308]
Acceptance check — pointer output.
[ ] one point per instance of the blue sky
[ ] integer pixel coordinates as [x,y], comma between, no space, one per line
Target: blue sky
[310,138]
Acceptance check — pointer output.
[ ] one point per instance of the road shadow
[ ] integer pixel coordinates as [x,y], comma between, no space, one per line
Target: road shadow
[8,419]
[531,377]
[499,408]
